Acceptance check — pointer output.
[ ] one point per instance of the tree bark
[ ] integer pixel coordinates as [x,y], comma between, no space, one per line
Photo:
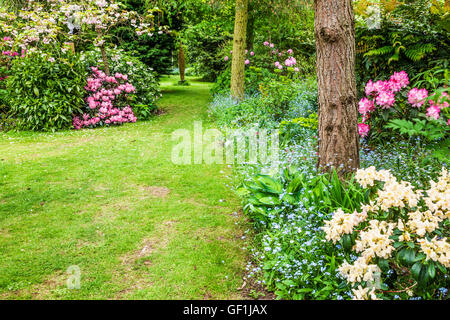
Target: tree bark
[105,60]
[239,41]
[103,51]
[181,62]
[338,114]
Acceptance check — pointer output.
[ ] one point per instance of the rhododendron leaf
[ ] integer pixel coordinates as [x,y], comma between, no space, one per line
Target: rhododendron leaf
[441,268]
[347,242]
[407,256]
[415,270]
[423,277]
[384,265]
[431,271]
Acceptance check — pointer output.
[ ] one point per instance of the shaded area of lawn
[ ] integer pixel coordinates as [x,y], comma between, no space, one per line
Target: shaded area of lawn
[111,202]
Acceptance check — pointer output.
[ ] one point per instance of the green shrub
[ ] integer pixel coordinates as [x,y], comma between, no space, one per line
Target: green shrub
[205,42]
[139,75]
[414,38]
[43,94]
[277,96]
[291,129]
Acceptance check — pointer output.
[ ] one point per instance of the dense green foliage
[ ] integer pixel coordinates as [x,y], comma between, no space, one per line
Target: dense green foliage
[413,36]
[43,95]
[205,43]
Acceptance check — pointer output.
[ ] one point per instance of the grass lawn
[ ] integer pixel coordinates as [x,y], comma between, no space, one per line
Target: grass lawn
[111,202]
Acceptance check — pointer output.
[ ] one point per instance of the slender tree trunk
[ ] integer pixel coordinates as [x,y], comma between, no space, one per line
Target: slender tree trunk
[105,60]
[239,41]
[338,115]
[103,51]
[181,62]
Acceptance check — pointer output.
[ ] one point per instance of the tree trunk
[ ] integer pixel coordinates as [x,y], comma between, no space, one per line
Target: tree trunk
[239,41]
[181,62]
[338,113]
[105,60]
[103,51]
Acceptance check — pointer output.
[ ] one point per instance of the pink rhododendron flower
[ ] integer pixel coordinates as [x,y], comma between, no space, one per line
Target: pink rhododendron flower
[385,99]
[252,53]
[107,94]
[226,58]
[416,97]
[398,80]
[433,112]
[247,61]
[373,89]
[266,43]
[363,129]
[366,106]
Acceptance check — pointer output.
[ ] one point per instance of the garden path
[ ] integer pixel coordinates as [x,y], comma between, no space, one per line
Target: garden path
[110,203]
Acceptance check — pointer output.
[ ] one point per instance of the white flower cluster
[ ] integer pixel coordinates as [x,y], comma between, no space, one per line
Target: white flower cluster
[364,294]
[418,222]
[398,195]
[438,196]
[359,271]
[342,223]
[367,177]
[375,241]
[436,250]
[422,222]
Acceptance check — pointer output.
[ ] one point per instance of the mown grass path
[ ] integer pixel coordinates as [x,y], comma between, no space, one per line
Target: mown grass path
[111,202]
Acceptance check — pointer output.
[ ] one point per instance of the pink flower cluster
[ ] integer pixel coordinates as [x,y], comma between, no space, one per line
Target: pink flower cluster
[381,93]
[435,108]
[291,61]
[363,129]
[108,101]
[417,97]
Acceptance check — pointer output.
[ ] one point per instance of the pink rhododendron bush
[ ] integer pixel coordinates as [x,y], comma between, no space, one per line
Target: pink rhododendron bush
[108,102]
[397,245]
[388,100]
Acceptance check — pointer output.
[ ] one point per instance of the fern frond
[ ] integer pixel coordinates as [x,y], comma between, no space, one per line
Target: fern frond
[379,51]
[419,51]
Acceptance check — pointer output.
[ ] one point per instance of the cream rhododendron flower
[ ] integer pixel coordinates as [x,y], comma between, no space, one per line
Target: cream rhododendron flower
[364,294]
[397,214]
[342,223]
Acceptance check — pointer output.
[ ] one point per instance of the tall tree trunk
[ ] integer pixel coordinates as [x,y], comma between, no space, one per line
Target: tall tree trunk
[338,116]
[181,62]
[239,41]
